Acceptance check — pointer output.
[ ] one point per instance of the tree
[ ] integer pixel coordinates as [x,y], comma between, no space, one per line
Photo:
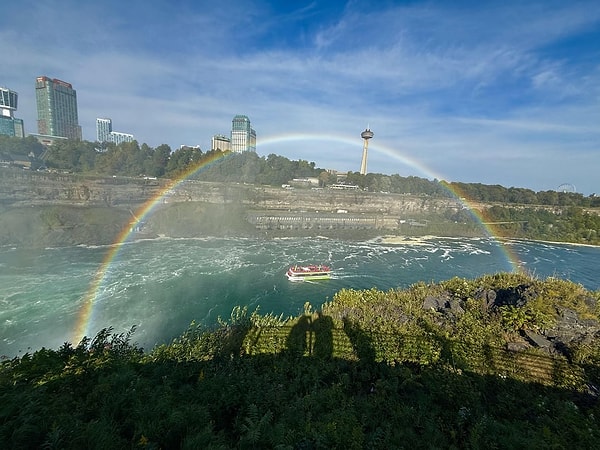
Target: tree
[21,146]
[72,155]
[277,170]
[159,158]
[133,158]
[181,160]
[547,198]
[251,167]
[326,178]
[356,178]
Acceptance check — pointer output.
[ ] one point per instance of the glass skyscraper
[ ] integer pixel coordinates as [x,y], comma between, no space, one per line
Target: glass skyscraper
[9,125]
[243,137]
[57,108]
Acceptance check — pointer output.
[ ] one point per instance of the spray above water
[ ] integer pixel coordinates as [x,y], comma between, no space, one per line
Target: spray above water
[86,312]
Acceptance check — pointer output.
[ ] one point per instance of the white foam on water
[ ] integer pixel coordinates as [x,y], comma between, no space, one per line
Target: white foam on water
[162,285]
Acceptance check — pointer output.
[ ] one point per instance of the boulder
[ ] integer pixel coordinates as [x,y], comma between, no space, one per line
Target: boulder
[487,298]
[517,346]
[590,302]
[454,305]
[445,305]
[517,296]
[434,303]
[537,339]
[570,328]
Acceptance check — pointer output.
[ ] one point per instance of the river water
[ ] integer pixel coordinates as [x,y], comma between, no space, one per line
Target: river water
[162,285]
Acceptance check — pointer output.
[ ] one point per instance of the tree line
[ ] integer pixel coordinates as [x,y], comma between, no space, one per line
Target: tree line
[568,224]
[133,159]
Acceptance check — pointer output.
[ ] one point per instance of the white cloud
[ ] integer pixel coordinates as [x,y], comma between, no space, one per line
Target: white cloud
[467,92]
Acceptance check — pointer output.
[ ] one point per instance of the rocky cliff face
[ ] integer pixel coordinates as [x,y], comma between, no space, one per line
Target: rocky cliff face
[24,188]
[66,209]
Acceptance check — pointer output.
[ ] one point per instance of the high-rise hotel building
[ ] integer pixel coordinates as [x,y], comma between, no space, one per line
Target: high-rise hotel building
[220,142]
[103,129]
[10,125]
[243,137]
[105,133]
[57,108]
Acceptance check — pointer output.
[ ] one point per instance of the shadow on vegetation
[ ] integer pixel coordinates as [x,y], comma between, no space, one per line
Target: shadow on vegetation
[206,391]
[310,337]
[361,342]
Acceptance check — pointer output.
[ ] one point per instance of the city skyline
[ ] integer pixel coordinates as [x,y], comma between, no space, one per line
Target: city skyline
[496,94]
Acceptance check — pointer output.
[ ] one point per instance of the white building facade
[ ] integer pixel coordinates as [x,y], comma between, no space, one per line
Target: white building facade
[104,133]
[220,142]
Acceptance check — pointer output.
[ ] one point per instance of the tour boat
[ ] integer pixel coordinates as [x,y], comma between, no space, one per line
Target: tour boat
[309,272]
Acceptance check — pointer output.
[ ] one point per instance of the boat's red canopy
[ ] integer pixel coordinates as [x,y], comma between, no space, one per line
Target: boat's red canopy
[310,268]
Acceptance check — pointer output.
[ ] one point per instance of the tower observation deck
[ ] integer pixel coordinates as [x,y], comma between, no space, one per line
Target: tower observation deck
[366,135]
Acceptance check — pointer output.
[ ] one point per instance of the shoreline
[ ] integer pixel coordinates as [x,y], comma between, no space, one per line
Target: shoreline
[575,244]
[422,240]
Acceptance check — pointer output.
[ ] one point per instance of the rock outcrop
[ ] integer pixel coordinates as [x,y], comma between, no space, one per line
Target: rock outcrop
[568,329]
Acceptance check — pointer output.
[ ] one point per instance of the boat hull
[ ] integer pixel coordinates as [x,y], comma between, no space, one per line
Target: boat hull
[302,273]
[325,276]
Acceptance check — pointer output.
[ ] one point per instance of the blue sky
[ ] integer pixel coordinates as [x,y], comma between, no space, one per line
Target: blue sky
[503,92]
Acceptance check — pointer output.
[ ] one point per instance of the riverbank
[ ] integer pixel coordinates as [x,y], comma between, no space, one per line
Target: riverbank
[542,241]
[61,209]
[60,225]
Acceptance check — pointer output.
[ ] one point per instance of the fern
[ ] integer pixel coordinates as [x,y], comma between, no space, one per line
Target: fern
[254,425]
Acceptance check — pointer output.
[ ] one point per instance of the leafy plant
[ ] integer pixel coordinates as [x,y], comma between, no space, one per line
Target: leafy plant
[376,370]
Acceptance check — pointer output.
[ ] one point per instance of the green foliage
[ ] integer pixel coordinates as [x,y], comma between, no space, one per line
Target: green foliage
[182,159]
[371,369]
[459,288]
[521,318]
[21,146]
[254,428]
[74,156]
[131,159]
[563,224]
[499,194]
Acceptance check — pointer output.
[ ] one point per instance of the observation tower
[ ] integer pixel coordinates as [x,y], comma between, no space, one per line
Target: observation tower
[366,135]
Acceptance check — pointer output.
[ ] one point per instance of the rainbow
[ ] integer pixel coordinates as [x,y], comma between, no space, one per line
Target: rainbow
[376,146]
[85,313]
